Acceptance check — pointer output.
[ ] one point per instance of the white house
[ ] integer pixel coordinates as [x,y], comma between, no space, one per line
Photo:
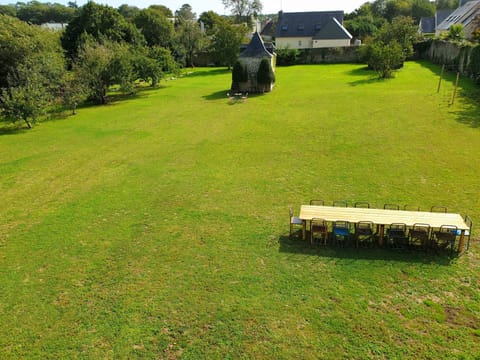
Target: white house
[308,30]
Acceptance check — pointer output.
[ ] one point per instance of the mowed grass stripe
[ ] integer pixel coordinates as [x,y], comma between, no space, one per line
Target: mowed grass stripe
[156,226]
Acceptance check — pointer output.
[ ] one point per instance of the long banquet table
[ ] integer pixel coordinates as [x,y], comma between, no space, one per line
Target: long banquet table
[382,217]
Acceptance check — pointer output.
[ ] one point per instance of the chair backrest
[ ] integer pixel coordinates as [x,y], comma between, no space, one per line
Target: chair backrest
[318,223]
[448,229]
[291,212]
[341,224]
[364,225]
[362,204]
[438,209]
[411,208]
[420,227]
[398,227]
[316,202]
[391,207]
[340,203]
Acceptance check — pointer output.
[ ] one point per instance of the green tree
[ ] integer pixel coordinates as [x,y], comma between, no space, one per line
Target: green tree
[209,19]
[189,42]
[98,22]
[9,10]
[38,13]
[455,32]
[243,10]
[446,4]
[162,10]
[185,13]
[31,69]
[156,28]
[74,91]
[402,30]
[422,8]
[128,12]
[226,41]
[32,86]
[103,65]
[385,58]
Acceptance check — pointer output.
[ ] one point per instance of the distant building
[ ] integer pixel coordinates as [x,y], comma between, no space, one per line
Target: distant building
[251,56]
[54,26]
[309,30]
[468,15]
[428,25]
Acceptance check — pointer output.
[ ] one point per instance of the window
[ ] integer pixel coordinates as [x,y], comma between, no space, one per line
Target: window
[318,27]
[284,27]
[299,42]
[301,27]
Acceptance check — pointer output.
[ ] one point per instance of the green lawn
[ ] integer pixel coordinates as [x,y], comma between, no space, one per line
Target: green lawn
[157,227]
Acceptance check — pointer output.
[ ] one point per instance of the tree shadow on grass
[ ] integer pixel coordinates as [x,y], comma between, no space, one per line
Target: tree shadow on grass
[211,72]
[369,76]
[65,113]
[229,98]
[467,91]
[296,245]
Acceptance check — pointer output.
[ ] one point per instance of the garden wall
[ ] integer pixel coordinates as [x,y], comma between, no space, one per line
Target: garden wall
[329,55]
[455,57]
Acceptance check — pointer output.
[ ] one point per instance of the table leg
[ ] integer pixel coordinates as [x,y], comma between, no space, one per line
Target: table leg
[381,229]
[461,242]
[304,229]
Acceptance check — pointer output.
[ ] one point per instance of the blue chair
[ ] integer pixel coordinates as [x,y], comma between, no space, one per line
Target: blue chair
[341,232]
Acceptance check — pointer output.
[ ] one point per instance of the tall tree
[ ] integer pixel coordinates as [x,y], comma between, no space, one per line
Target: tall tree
[99,22]
[189,41]
[128,12]
[161,9]
[155,27]
[31,69]
[243,9]
[209,19]
[226,41]
[185,13]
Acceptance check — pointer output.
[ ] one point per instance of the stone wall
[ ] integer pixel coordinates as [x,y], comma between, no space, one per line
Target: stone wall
[455,57]
[329,55]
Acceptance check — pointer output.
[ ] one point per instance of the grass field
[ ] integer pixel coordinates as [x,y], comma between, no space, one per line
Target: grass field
[157,227]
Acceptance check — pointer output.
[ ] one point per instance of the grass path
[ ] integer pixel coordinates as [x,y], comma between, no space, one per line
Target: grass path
[156,227]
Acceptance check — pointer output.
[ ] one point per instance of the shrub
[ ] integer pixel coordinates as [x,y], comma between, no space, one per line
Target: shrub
[287,56]
[265,75]
[239,72]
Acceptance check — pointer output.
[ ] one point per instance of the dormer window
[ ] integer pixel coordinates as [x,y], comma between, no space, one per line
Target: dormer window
[318,27]
[284,27]
[301,27]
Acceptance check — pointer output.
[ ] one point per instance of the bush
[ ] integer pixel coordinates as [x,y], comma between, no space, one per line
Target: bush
[385,58]
[265,75]
[239,72]
[474,64]
[287,56]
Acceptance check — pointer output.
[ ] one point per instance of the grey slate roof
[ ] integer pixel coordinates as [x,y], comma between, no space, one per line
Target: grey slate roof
[427,25]
[441,15]
[256,48]
[307,24]
[462,15]
[332,30]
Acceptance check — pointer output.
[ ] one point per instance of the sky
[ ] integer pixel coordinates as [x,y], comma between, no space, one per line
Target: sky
[199,6]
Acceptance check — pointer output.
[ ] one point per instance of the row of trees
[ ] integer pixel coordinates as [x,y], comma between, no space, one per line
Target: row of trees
[100,47]
[365,21]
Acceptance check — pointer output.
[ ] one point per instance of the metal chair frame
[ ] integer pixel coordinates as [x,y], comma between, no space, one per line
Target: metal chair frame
[419,235]
[294,221]
[363,233]
[391,207]
[318,226]
[317,202]
[362,204]
[340,203]
[341,228]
